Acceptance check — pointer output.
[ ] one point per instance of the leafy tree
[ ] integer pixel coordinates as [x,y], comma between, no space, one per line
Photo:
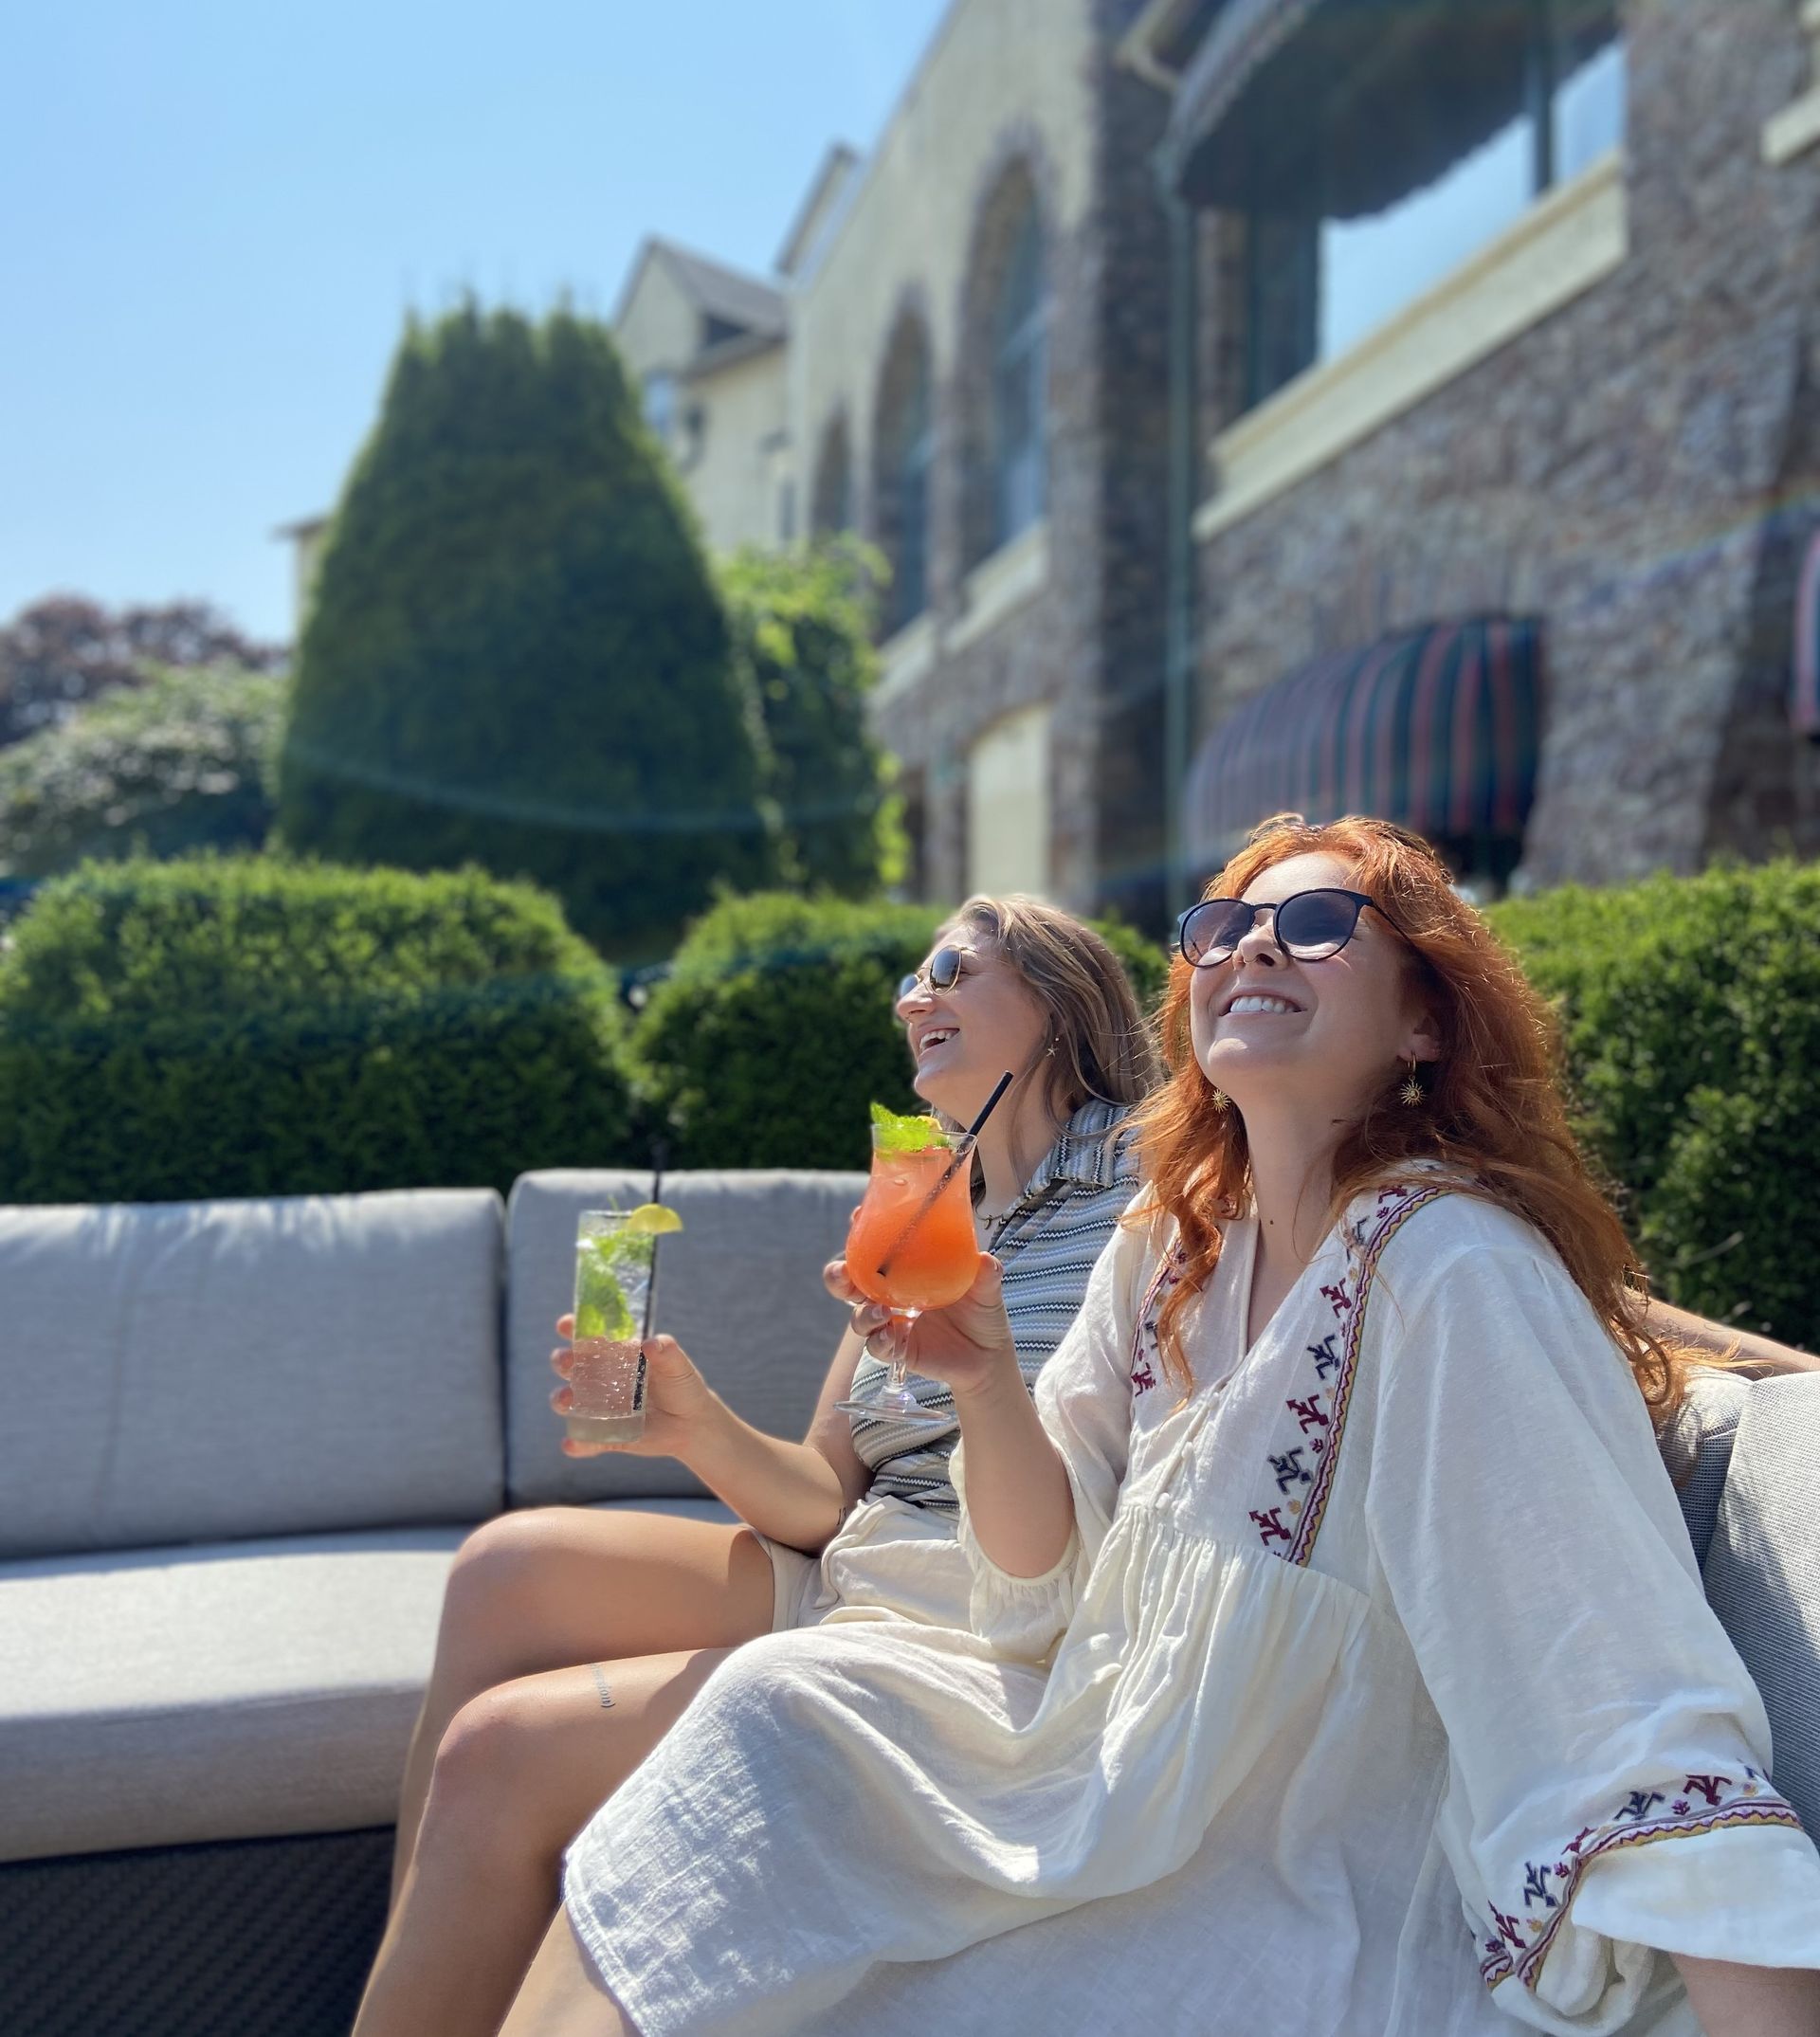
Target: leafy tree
[180,762]
[801,632]
[516,654]
[67,650]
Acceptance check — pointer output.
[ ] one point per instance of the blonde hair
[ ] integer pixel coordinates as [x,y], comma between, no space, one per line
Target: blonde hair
[1102,1045]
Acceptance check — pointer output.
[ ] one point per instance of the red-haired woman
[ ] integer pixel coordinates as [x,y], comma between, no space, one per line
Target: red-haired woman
[1339,1662]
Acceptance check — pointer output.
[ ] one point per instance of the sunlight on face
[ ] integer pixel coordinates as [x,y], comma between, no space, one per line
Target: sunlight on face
[963,1039]
[1326,1036]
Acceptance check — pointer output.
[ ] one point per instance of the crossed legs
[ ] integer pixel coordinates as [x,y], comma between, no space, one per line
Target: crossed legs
[547,1615]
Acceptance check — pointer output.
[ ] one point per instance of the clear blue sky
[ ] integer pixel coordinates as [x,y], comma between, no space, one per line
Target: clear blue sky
[216,214]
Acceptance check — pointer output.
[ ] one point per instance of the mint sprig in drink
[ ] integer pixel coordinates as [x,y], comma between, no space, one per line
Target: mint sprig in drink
[615,1259]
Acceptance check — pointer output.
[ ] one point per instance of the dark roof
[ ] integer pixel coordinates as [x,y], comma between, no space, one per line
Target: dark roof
[723,293]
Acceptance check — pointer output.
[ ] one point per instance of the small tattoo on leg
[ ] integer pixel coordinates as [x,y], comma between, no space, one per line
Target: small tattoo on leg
[600,1684]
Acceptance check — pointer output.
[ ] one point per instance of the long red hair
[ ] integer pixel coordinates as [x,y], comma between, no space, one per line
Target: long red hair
[1493,1110]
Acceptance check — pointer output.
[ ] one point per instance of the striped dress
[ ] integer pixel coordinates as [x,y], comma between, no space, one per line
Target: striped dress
[1047,1243]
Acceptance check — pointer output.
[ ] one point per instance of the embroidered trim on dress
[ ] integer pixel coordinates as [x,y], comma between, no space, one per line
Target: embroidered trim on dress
[1522,1943]
[1144,1346]
[1321,1426]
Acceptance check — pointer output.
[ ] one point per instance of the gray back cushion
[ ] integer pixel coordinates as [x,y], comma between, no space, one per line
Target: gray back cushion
[1697,1448]
[184,1372]
[741,1289]
[1764,1572]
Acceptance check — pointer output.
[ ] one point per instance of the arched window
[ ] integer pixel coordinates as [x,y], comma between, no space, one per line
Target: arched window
[832,505]
[1020,384]
[904,455]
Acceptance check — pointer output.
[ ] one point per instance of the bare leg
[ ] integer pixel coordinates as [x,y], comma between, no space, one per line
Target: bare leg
[562,1995]
[556,1586]
[520,1770]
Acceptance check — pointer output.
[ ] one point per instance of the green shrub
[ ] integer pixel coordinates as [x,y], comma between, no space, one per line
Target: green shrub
[775,1028]
[1692,1014]
[178,764]
[802,636]
[516,655]
[227,1026]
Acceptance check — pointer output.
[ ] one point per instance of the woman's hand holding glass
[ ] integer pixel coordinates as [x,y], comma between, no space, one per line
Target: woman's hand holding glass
[967,1345]
[680,1405]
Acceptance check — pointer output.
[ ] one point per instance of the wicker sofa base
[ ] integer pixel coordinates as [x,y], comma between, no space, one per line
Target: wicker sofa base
[267,1935]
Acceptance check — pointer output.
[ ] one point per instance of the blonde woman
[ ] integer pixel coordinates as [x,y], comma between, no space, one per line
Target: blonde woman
[572,1639]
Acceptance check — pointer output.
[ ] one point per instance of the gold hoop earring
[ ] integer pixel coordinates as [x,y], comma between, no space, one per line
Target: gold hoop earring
[1412,1091]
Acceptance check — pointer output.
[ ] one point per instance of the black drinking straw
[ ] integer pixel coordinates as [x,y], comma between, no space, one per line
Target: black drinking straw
[650,1285]
[963,1151]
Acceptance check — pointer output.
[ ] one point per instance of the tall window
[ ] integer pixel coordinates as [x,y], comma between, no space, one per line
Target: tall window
[905,442]
[1020,386]
[660,405]
[832,505]
[1362,208]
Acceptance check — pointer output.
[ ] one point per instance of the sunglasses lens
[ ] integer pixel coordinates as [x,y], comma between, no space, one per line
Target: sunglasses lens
[906,987]
[1317,925]
[944,969]
[1214,928]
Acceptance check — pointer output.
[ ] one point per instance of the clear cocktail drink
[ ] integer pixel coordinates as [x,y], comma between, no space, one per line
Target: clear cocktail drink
[614,1268]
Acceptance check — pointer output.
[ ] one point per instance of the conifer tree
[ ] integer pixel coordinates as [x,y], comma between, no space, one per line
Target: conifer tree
[516,655]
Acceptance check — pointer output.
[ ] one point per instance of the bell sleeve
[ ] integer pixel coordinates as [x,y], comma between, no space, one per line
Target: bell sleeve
[1084,1398]
[1607,1797]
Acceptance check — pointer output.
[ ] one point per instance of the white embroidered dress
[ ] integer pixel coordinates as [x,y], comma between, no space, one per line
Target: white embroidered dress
[1376,1693]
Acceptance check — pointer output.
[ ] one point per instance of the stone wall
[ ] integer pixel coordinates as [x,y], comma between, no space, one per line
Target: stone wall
[1015,92]
[1639,471]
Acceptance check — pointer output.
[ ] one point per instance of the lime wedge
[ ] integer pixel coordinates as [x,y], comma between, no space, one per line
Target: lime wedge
[899,1132]
[651,1220]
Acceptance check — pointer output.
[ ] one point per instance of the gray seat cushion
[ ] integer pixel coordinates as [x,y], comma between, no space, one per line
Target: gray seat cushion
[188,1372]
[226,1692]
[1763,1571]
[169,1696]
[741,1289]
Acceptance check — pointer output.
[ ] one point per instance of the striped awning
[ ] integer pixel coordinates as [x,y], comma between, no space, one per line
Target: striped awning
[1437,729]
[1804,698]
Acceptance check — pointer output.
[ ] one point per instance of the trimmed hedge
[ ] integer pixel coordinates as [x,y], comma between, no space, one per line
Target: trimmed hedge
[775,1030]
[256,1027]
[1692,1011]
[179,764]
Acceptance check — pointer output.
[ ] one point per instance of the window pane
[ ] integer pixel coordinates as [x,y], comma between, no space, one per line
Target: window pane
[1458,144]
[1589,111]
[1019,465]
[1369,268]
[660,405]
[1019,388]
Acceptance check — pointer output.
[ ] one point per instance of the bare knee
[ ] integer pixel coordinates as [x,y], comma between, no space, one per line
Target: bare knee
[490,1625]
[486,1768]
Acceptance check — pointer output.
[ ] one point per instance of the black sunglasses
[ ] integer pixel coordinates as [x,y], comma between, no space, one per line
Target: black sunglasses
[1310,926]
[941,971]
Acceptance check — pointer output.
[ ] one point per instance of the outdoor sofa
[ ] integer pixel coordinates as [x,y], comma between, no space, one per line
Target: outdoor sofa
[240,1444]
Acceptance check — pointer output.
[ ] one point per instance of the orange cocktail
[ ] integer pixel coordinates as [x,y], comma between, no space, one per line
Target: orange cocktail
[911,1246]
[904,1254]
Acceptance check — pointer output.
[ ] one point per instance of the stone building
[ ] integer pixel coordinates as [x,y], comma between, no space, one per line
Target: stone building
[1333,404]
[976,368]
[1508,432]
